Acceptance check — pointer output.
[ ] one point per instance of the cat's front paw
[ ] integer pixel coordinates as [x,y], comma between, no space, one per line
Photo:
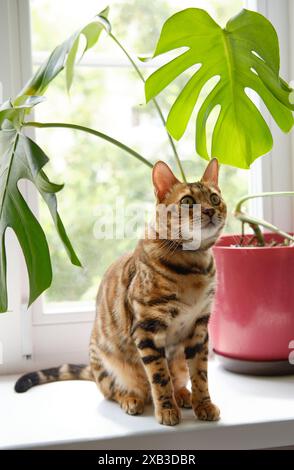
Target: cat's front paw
[168,416]
[183,398]
[207,411]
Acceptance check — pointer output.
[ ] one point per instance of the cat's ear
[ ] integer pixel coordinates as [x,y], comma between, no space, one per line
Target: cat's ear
[163,179]
[211,173]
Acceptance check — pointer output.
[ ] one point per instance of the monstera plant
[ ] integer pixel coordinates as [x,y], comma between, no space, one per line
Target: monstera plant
[243,56]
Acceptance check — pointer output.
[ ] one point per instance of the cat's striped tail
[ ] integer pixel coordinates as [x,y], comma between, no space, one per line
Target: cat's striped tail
[54,374]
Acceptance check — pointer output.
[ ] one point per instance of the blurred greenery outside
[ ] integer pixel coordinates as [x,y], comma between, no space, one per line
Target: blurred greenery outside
[110,98]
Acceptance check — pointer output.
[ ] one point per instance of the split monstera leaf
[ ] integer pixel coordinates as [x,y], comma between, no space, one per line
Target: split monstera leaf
[243,56]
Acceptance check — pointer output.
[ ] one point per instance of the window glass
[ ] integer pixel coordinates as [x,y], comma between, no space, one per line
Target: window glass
[107,95]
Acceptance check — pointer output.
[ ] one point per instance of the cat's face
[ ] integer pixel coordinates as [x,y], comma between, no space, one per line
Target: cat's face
[202,202]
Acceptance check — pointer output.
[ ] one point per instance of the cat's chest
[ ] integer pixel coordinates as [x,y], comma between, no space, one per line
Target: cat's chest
[181,326]
[193,304]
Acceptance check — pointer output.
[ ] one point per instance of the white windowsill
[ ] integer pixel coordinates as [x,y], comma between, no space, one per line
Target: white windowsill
[257,412]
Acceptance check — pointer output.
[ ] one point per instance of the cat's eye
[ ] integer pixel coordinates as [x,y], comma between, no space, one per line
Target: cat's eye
[215,199]
[188,200]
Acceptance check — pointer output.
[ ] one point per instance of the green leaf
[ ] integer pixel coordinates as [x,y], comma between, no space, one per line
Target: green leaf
[64,55]
[91,32]
[23,159]
[47,189]
[6,112]
[244,55]
[69,72]
[13,112]
[27,101]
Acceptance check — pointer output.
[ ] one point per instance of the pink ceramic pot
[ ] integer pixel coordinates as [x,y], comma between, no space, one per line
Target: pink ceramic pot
[253,316]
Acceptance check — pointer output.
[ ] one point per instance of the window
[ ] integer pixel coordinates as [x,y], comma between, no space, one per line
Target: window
[106,95]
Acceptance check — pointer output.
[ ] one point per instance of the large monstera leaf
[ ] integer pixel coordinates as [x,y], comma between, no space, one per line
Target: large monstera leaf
[21,158]
[244,55]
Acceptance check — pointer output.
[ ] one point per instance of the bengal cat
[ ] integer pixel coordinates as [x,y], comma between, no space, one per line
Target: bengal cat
[153,305]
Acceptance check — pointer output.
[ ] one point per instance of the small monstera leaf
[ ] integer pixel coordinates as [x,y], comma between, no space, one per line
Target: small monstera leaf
[64,56]
[244,55]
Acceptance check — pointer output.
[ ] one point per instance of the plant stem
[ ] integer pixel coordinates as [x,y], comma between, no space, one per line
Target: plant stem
[267,194]
[258,234]
[93,132]
[139,73]
[255,222]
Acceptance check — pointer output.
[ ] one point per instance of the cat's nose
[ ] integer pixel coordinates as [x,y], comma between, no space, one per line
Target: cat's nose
[209,211]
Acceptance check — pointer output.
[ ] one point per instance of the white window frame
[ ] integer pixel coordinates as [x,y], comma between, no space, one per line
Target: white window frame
[275,172]
[34,339]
